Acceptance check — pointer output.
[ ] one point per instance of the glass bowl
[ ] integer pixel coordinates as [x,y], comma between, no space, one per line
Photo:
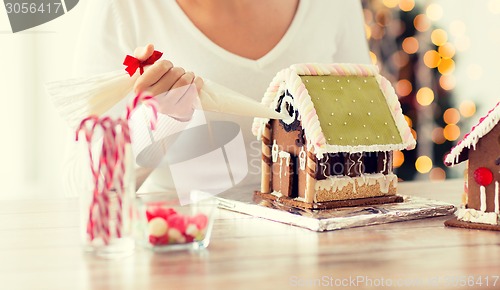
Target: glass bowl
[163,224]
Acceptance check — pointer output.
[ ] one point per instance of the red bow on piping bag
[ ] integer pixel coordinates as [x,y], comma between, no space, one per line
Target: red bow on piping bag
[133,63]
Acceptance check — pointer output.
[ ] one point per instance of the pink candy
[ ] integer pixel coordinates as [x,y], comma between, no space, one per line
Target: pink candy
[180,228]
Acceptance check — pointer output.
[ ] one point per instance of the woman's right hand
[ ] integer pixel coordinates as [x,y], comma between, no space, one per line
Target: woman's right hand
[175,89]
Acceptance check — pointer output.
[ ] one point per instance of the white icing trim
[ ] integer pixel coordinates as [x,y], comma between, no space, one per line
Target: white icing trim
[477,132]
[291,78]
[475,216]
[482,189]
[497,205]
[335,183]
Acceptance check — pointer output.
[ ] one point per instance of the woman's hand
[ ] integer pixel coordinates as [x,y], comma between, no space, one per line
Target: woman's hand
[175,89]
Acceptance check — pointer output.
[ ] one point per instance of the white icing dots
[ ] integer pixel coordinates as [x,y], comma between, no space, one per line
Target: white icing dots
[369,113]
[350,114]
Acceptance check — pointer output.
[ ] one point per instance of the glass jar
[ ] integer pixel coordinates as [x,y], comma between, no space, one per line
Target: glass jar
[163,224]
[106,214]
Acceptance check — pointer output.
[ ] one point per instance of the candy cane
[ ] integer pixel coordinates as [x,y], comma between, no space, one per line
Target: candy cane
[110,169]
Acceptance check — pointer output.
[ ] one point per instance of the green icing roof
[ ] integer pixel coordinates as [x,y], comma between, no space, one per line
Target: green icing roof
[352,110]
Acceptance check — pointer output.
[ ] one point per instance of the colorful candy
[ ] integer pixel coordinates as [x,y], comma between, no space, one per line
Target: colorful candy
[166,226]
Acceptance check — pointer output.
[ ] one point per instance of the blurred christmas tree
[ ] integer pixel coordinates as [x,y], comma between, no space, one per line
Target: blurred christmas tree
[417,57]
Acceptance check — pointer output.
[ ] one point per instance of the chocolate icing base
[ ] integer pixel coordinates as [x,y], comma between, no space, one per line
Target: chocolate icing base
[454,222]
[330,204]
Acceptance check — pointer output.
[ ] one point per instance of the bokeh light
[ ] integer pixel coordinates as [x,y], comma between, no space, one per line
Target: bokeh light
[447,82]
[403,88]
[408,121]
[406,5]
[437,136]
[451,132]
[439,37]
[446,66]
[398,158]
[421,22]
[434,11]
[410,45]
[400,58]
[446,50]
[390,3]
[467,108]
[437,174]
[373,57]
[451,116]
[425,96]
[423,164]
[432,59]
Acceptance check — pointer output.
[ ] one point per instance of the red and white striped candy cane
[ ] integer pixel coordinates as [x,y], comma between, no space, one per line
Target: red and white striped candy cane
[108,172]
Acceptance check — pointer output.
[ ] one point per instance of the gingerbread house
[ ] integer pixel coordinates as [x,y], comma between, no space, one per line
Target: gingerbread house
[335,149]
[481,148]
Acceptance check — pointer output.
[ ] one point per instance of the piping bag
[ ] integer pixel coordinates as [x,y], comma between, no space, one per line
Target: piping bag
[77,98]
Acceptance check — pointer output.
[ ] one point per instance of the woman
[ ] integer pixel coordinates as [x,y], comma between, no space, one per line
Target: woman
[239,44]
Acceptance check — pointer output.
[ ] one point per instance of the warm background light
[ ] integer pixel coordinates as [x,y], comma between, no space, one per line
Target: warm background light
[437,136]
[447,50]
[446,66]
[432,58]
[398,159]
[437,174]
[439,37]
[451,132]
[406,5]
[403,88]
[434,11]
[451,116]
[410,45]
[421,22]
[467,108]
[448,82]
[425,96]
[423,164]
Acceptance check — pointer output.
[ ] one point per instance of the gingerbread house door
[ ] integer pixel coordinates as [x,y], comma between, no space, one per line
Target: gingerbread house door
[283,174]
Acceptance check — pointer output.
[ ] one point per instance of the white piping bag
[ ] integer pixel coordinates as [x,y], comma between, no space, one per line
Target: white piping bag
[76,99]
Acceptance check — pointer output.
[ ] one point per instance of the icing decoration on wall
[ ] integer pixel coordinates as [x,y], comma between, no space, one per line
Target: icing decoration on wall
[302,159]
[274,151]
[497,206]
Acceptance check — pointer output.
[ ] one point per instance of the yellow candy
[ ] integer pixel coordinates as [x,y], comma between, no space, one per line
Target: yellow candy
[157,227]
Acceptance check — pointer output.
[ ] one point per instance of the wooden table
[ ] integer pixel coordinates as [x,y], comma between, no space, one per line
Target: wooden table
[39,249]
